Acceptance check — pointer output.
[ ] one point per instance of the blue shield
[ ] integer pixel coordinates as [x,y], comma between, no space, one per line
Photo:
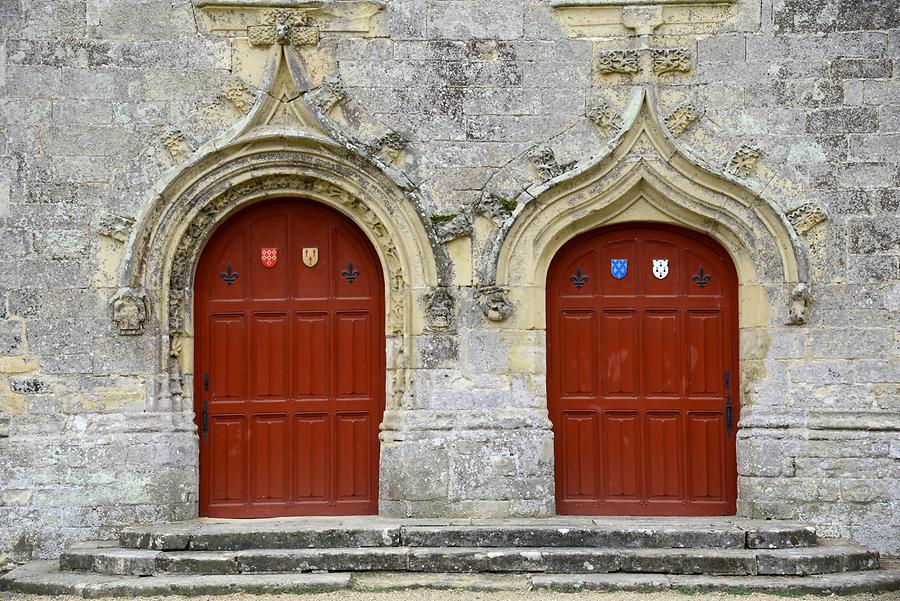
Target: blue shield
[618,268]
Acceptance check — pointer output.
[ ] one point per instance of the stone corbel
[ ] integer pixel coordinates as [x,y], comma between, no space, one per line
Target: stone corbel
[439,310]
[452,226]
[130,308]
[494,302]
[801,298]
[806,216]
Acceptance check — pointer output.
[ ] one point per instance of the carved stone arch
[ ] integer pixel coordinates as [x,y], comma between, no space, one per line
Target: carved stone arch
[184,211]
[643,176]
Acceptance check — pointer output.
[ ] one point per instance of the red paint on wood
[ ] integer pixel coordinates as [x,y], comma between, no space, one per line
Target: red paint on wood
[295,357]
[636,374]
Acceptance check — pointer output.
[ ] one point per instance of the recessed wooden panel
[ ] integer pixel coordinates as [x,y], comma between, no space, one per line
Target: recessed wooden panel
[312,355]
[270,232]
[581,455]
[662,373]
[313,457]
[228,357]
[353,451]
[648,356]
[269,361]
[270,459]
[663,455]
[707,474]
[579,362]
[227,447]
[703,331]
[621,450]
[290,366]
[352,349]
[620,345]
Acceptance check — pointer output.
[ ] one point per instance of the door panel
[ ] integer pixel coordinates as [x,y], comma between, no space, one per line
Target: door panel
[290,366]
[636,365]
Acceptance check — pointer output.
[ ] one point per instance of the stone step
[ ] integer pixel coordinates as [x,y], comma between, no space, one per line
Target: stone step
[44,578]
[305,533]
[833,556]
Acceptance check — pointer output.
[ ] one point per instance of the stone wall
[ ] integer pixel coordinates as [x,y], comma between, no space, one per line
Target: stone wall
[469,101]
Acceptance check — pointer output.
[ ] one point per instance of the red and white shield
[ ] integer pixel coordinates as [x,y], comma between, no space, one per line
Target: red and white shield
[269,257]
[310,256]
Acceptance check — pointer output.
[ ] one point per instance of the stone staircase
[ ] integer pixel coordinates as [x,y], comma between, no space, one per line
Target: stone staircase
[292,555]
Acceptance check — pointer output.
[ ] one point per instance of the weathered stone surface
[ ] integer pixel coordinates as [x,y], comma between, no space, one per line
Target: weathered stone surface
[495,98]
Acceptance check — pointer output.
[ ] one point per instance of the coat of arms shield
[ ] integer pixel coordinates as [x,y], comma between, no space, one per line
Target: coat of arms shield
[660,268]
[310,256]
[269,257]
[618,268]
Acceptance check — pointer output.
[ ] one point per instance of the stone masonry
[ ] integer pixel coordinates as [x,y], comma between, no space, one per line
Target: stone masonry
[474,104]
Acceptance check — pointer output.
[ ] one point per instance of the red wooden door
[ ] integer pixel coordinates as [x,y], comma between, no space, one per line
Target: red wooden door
[289,377]
[642,373]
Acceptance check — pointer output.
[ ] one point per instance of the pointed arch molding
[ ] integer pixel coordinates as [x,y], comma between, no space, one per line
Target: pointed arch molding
[643,176]
[184,211]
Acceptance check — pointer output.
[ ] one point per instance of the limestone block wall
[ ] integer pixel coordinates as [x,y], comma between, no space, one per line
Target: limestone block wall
[477,105]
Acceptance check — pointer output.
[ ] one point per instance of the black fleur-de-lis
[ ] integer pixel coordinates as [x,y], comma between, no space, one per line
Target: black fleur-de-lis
[229,276]
[701,278]
[350,273]
[579,279]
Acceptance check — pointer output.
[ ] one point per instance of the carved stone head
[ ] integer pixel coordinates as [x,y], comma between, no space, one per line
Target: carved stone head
[494,303]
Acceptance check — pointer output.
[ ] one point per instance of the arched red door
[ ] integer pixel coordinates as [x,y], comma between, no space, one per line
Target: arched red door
[289,370]
[642,386]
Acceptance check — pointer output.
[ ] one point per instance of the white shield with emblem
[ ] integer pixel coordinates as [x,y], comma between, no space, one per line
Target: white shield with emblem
[660,268]
[310,256]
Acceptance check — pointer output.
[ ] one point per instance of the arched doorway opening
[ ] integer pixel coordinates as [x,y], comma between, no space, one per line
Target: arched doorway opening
[289,386]
[642,360]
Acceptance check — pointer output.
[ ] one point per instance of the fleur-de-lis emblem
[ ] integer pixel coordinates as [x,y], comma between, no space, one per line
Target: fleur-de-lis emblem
[350,274]
[579,279]
[701,278]
[229,275]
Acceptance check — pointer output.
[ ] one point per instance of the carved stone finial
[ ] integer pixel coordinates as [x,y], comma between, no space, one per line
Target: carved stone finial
[238,93]
[682,118]
[496,207]
[283,26]
[744,160]
[115,226]
[129,311]
[493,302]
[617,61]
[801,298]
[806,216]
[178,147]
[605,118]
[671,59]
[451,226]
[439,310]
[544,161]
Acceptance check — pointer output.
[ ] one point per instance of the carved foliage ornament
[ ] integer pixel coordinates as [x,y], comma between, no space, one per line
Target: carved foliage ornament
[239,94]
[115,226]
[617,61]
[129,311]
[496,207]
[283,26]
[452,226]
[670,59]
[605,118]
[744,160]
[493,302]
[806,216]
[682,118]
[330,94]
[178,147]
[545,163]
